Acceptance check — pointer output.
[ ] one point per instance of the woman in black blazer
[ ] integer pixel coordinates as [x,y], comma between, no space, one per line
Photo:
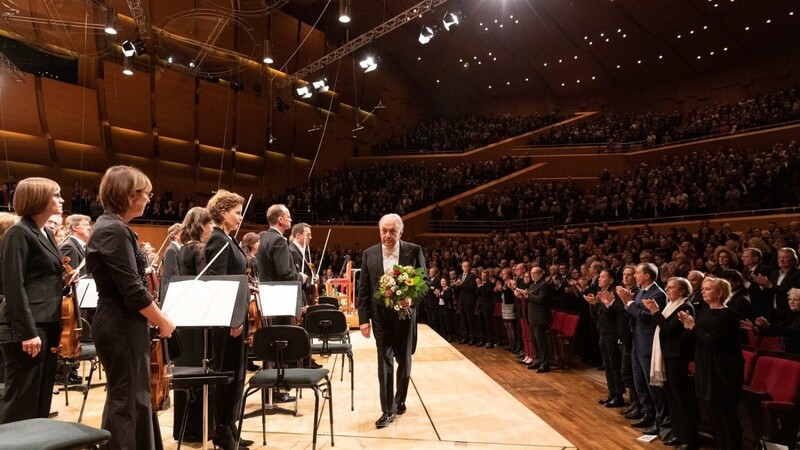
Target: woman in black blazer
[675,354]
[120,326]
[30,314]
[228,352]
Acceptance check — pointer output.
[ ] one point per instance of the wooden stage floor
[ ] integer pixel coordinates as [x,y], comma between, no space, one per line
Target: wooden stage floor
[452,403]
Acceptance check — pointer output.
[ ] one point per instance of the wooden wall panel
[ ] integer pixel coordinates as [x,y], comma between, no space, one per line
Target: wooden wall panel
[216,114]
[25,149]
[81,157]
[248,164]
[176,150]
[212,158]
[173,176]
[71,112]
[20,111]
[284,41]
[175,104]
[132,142]
[127,98]
[252,120]
[146,165]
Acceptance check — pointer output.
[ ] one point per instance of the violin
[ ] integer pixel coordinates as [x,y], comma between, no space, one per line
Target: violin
[314,294]
[69,343]
[160,373]
[255,319]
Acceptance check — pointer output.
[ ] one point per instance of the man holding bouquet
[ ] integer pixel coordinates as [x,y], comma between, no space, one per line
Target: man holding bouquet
[388,304]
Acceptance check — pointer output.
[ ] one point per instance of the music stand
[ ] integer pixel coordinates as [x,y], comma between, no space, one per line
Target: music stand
[206,302]
[279,299]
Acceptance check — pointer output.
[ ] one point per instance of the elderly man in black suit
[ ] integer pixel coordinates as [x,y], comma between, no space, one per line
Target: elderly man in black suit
[753,267]
[467,292]
[785,277]
[541,295]
[274,257]
[79,228]
[394,337]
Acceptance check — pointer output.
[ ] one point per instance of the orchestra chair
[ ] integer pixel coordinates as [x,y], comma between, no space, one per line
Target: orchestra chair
[49,434]
[319,306]
[326,326]
[325,300]
[88,354]
[345,285]
[283,345]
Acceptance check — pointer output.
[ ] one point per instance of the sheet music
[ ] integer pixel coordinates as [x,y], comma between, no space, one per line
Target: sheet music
[198,303]
[279,299]
[87,293]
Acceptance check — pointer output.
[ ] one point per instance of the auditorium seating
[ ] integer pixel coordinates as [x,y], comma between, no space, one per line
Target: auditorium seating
[562,337]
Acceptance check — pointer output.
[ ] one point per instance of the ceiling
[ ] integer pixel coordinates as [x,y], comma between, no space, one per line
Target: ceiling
[559,48]
[566,47]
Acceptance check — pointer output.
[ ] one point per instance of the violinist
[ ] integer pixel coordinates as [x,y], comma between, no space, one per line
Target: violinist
[250,246]
[170,261]
[30,314]
[124,308]
[79,228]
[228,352]
[301,238]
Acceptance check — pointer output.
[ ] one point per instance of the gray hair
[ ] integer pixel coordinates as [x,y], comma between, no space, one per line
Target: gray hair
[394,217]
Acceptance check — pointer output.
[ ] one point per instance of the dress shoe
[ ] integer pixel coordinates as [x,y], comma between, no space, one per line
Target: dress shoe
[314,365]
[673,441]
[385,420]
[616,402]
[225,442]
[634,415]
[463,341]
[251,366]
[525,361]
[401,409]
[283,398]
[242,442]
[480,344]
[630,408]
[653,431]
[605,399]
[683,447]
[543,369]
[489,345]
[644,422]
[534,365]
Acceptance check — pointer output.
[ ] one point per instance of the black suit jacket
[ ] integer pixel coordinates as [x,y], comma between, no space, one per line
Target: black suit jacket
[74,250]
[671,332]
[274,259]
[468,291]
[372,270]
[781,293]
[170,262]
[740,303]
[540,300]
[231,261]
[299,266]
[31,281]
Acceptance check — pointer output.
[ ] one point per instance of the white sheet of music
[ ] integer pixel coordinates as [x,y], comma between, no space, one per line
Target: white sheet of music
[278,299]
[198,303]
[87,293]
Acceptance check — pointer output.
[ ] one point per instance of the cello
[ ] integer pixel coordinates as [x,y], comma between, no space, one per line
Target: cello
[69,343]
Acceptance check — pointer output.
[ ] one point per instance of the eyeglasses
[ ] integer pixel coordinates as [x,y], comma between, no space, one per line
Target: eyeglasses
[149,194]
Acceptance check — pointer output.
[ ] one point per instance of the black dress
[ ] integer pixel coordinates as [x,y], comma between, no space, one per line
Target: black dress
[720,372]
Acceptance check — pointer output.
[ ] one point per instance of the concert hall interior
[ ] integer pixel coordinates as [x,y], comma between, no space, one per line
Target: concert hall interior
[596,202]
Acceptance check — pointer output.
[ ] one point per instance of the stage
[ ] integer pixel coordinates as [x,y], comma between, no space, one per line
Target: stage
[451,403]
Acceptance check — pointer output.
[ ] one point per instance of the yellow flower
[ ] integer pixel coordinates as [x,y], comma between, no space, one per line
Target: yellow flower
[409,282]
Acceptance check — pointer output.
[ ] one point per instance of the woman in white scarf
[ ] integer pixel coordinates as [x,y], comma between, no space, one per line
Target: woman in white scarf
[670,360]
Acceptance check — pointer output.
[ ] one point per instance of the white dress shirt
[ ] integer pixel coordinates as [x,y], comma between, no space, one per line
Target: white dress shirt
[391,257]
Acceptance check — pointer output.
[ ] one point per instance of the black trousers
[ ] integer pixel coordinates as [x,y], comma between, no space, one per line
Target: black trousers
[485,320]
[227,355]
[469,324]
[680,402]
[123,345]
[612,359]
[540,347]
[394,340]
[29,381]
[727,428]
[443,321]
[627,370]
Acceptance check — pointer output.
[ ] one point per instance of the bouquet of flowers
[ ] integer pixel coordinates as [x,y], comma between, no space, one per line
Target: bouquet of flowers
[399,284]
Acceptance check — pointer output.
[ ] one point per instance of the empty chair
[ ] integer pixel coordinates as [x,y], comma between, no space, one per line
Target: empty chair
[328,326]
[329,301]
[88,354]
[282,345]
[49,434]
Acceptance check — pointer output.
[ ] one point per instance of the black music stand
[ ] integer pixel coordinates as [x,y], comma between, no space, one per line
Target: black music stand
[192,302]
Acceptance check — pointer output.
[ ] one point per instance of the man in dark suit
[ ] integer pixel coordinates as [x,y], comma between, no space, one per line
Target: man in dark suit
[696,278]
[301,236]
[785,277]
[467,292]
[274,257]
[79,228]
[541,295]
[170,262]
[651,398]
[753,267]
[395,338]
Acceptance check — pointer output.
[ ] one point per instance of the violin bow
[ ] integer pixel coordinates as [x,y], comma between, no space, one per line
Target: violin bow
[322,255]
[244,211]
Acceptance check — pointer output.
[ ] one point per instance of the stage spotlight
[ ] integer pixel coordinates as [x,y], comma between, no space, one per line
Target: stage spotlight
[450,20]
[111,22]
[272,139]
[369,64]
[170,60]
[426,34]
[345,11]
[321,84]
[380,105]
[127,66]
[268,58]
[191,64]
[135,47]
[303,91]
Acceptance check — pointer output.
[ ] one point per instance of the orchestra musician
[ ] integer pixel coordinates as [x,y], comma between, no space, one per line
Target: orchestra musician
[228,352]
[170,261]
[301,237]
[124,308]
[30,314]
[79,228]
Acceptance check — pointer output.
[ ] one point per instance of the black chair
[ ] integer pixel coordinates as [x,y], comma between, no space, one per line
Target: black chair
[49,434]
[282,345]
[88,354]
[317,307]
[323,300]
[327,326]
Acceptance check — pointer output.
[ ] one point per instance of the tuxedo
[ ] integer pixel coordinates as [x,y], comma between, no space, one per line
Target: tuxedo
[31,281]
[650,397]
[302,267]
[275,260]
[395,338]
[75,250]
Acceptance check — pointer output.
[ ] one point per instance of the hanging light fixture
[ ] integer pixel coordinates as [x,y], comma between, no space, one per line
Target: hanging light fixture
[268,58]
[111,22]
[426,34]
[369,63]
[127,66]
[345,11]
